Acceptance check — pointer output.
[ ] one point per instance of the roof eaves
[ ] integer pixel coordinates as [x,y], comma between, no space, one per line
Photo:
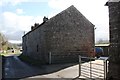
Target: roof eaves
[111,1]
[98,45]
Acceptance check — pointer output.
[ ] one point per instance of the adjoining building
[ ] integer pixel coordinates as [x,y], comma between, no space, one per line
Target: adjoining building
[105,48]
[61,38]
[114,51]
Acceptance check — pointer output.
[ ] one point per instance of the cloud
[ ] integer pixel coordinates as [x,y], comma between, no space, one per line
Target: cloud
[60,4]
[15,42]
[16,2]
[12,2]
[14,25]
[93,10]
[19,11]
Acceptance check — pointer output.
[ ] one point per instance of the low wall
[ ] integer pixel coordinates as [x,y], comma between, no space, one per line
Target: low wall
[68,57]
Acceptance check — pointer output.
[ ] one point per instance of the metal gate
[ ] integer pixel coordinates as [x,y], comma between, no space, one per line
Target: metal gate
[92,68]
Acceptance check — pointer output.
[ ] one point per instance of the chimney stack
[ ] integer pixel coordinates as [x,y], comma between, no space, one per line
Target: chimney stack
[32,27]
[35,25]
[45,19]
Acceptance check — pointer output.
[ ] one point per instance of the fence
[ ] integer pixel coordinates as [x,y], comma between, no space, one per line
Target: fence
[93,69]
[65,57]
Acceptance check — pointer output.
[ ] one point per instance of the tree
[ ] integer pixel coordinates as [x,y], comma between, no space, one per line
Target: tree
[101,41]
[3,42]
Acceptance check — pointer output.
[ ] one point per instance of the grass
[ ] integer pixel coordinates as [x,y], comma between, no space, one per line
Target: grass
[5,54]
[30,60]
[10,53]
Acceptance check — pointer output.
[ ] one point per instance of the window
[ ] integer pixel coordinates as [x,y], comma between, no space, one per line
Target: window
[37,48]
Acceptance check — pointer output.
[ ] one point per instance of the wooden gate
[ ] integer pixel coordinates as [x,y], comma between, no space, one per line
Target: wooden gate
[92,68]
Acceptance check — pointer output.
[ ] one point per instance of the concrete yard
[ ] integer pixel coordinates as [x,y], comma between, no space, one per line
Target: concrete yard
[73,71]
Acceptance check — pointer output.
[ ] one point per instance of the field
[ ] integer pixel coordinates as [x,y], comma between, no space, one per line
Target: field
[10,53]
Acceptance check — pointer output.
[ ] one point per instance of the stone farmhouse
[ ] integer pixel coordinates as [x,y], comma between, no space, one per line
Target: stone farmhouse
[61,38]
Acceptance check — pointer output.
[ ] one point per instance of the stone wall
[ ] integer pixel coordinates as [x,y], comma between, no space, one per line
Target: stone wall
[114,23]
[68,31]
[34,44]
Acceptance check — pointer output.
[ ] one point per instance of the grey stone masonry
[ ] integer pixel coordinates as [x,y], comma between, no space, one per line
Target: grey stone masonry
[61,38]
[114,25]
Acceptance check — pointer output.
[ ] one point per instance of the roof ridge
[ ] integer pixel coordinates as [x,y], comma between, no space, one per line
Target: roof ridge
[70,10]
[114,1]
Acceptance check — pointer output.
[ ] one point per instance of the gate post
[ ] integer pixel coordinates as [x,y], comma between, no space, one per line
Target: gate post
[90,68]
[79,65]
[104,69]
[49,57]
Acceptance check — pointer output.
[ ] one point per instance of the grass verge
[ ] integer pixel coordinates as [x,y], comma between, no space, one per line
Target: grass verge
[30,60]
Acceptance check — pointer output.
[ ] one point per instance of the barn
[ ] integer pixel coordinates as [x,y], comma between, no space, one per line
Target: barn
[61,38]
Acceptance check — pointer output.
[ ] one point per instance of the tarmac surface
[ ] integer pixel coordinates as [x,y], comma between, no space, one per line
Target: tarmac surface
[15,68]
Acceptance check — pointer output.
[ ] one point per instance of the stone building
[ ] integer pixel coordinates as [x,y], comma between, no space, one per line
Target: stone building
[114,25]
[61,38]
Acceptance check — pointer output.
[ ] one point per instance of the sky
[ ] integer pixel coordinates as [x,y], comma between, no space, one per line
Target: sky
[17,16]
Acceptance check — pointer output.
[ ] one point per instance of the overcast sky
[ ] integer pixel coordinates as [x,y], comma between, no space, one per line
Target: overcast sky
[17,16]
